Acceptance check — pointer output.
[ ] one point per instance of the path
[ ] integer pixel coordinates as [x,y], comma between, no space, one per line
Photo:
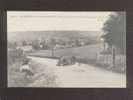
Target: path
[83,75]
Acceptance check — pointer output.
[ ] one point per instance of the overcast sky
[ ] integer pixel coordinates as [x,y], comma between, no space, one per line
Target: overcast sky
[41,21]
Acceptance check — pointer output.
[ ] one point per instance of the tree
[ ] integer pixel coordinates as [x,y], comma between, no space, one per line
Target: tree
[115,29]
[77,42]
[35,44]
[24,43]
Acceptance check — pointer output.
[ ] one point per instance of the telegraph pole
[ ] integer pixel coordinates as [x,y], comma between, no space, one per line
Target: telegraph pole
[52,52]
[113,56]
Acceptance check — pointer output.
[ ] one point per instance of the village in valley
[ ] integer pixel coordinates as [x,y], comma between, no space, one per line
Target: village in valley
[57,43]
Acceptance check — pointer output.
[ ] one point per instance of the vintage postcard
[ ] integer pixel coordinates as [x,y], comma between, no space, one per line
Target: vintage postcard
[66,49]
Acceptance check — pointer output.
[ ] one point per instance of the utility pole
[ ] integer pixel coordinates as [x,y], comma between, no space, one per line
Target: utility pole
[52,51]
[113,56]
[104,46]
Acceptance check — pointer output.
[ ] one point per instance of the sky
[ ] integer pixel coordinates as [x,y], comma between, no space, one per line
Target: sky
[53,20]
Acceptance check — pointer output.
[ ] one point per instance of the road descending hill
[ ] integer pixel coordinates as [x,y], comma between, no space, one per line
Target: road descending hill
[82,75]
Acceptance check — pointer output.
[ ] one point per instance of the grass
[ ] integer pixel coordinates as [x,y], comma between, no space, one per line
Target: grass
[15,78]
[80,52]
[42,77]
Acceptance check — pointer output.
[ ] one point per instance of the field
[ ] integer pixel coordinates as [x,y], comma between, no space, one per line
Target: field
[89,51]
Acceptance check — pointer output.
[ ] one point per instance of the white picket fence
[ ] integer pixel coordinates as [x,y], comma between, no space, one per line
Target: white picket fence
[120,60]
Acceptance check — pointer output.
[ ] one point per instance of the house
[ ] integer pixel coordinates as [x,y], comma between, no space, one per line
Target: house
[58,46]
[27,48]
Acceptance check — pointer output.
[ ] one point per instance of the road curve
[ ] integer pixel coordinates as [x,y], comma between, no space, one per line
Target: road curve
[85,76]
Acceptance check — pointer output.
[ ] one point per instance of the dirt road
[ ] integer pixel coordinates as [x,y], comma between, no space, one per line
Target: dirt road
[82,75]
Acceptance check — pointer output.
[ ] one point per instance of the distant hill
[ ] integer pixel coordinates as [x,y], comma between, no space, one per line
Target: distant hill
[32,35]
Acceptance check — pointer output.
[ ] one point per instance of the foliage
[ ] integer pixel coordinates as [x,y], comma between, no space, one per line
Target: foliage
[52,42]
[35,44]
[12,45]
[15,55]
[24,43]
[77,42]
[115,29]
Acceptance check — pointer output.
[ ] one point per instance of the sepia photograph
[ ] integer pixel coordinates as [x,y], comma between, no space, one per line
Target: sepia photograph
[66,49]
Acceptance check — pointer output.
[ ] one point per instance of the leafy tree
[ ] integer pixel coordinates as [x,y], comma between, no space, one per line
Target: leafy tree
[77,42]
[35,44]
[115,29]
[53,42]
[24,43]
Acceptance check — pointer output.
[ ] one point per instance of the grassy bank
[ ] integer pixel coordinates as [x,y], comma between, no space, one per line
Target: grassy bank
[18,79]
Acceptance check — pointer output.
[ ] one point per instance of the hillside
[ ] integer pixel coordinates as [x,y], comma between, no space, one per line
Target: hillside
[31,35]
